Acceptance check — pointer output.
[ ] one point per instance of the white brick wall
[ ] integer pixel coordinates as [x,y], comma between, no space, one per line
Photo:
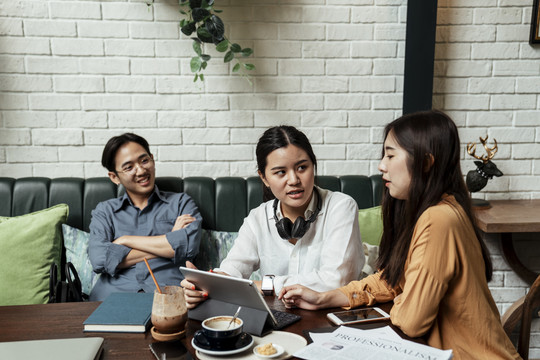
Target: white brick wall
[75,73]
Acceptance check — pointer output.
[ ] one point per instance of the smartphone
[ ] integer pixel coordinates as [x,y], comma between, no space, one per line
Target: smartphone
[172,350]
[357,315]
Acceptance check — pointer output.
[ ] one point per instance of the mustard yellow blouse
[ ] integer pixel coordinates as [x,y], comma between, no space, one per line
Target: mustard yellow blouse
[443,294]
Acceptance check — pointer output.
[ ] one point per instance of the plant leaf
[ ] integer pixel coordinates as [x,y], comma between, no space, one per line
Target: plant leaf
[223,46]
[247,52]
[204,65]
[215,26]
[195,64]
[201,76]
[249,66]
[195,3]
[188,28]
[205,57]
[199,14]
[204,35]
[197,47]
[236,48]
[228,57]
[196,77]
[216,40]
[236,67]
[210,2]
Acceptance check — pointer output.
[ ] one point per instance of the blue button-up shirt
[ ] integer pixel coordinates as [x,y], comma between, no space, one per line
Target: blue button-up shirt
[114,218]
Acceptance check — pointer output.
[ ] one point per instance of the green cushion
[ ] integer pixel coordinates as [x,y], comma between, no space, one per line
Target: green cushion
[215,245]
[371,226]
[29,245]
[76,244]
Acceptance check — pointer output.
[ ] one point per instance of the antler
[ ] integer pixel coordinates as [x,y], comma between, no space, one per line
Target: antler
[471,148]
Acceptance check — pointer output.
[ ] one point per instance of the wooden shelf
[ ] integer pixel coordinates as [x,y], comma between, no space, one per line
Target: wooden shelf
[510,216]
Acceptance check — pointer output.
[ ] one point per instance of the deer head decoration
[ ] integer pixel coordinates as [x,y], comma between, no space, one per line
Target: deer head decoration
[485,169]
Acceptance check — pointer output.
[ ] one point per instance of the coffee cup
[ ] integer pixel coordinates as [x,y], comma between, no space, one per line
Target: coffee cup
[217,334]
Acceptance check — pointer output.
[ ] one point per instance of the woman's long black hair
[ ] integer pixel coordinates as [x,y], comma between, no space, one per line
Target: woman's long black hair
[422,135]
[277,137]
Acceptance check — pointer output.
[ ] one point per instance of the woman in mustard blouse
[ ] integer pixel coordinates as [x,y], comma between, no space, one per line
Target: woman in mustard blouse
[432,262]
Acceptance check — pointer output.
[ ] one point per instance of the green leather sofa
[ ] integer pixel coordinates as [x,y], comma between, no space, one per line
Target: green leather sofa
[223,202]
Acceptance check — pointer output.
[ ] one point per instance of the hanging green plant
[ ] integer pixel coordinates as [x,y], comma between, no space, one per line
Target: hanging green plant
[208,28]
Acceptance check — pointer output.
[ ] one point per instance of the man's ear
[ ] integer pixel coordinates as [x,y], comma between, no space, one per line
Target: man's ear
[114,177]
[261,175]
[428,162]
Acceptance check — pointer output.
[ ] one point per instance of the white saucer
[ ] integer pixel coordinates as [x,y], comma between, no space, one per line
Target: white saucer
[290,342]
[222,352]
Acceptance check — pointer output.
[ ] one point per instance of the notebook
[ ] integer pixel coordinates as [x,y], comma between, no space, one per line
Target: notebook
[122,312]
[88,348]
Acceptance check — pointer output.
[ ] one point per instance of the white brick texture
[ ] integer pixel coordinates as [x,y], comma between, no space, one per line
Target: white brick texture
[75,73]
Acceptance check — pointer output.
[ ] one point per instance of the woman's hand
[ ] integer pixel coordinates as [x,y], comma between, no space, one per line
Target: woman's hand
[305,298]
[191,294]
[300,296]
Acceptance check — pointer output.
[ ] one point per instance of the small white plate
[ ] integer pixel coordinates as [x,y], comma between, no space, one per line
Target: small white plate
[289,341]
[279,351]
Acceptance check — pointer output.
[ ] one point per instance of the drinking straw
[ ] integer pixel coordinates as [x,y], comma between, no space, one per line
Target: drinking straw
[153,277]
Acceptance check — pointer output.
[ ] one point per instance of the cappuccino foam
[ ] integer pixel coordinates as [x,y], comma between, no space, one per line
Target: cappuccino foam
[222,323]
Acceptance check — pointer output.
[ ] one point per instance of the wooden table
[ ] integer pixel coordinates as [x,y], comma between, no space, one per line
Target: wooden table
[507,217]
[55,321]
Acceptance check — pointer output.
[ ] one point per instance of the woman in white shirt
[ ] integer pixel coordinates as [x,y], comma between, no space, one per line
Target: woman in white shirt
[301,234]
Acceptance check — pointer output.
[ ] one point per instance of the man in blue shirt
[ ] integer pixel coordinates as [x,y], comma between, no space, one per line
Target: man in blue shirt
[163,227]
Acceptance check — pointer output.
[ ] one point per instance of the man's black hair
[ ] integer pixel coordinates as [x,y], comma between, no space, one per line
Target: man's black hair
[115,143]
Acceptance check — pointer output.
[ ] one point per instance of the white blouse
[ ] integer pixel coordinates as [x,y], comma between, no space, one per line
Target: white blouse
[328,256]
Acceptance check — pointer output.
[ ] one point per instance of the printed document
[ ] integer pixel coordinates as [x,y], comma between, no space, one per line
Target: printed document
[380,343]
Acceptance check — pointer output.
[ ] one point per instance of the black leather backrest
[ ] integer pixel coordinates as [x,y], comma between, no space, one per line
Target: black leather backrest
[231,203]
[96,190]
[357,187]
[29,195]
[6,195]
[170,183]
[223,202]
[203,192]
[69,191]
[328,182]
[377,186]
[254,186]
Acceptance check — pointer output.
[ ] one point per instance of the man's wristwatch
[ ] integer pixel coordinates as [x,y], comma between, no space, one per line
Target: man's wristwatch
[267,286]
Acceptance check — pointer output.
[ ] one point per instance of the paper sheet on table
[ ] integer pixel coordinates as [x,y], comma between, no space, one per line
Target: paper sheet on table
[380,343]
[385,332]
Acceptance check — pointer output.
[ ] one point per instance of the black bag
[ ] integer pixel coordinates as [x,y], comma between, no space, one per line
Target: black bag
[65,291]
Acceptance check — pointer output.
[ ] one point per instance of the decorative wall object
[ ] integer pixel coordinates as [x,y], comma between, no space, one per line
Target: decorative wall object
[485,169]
